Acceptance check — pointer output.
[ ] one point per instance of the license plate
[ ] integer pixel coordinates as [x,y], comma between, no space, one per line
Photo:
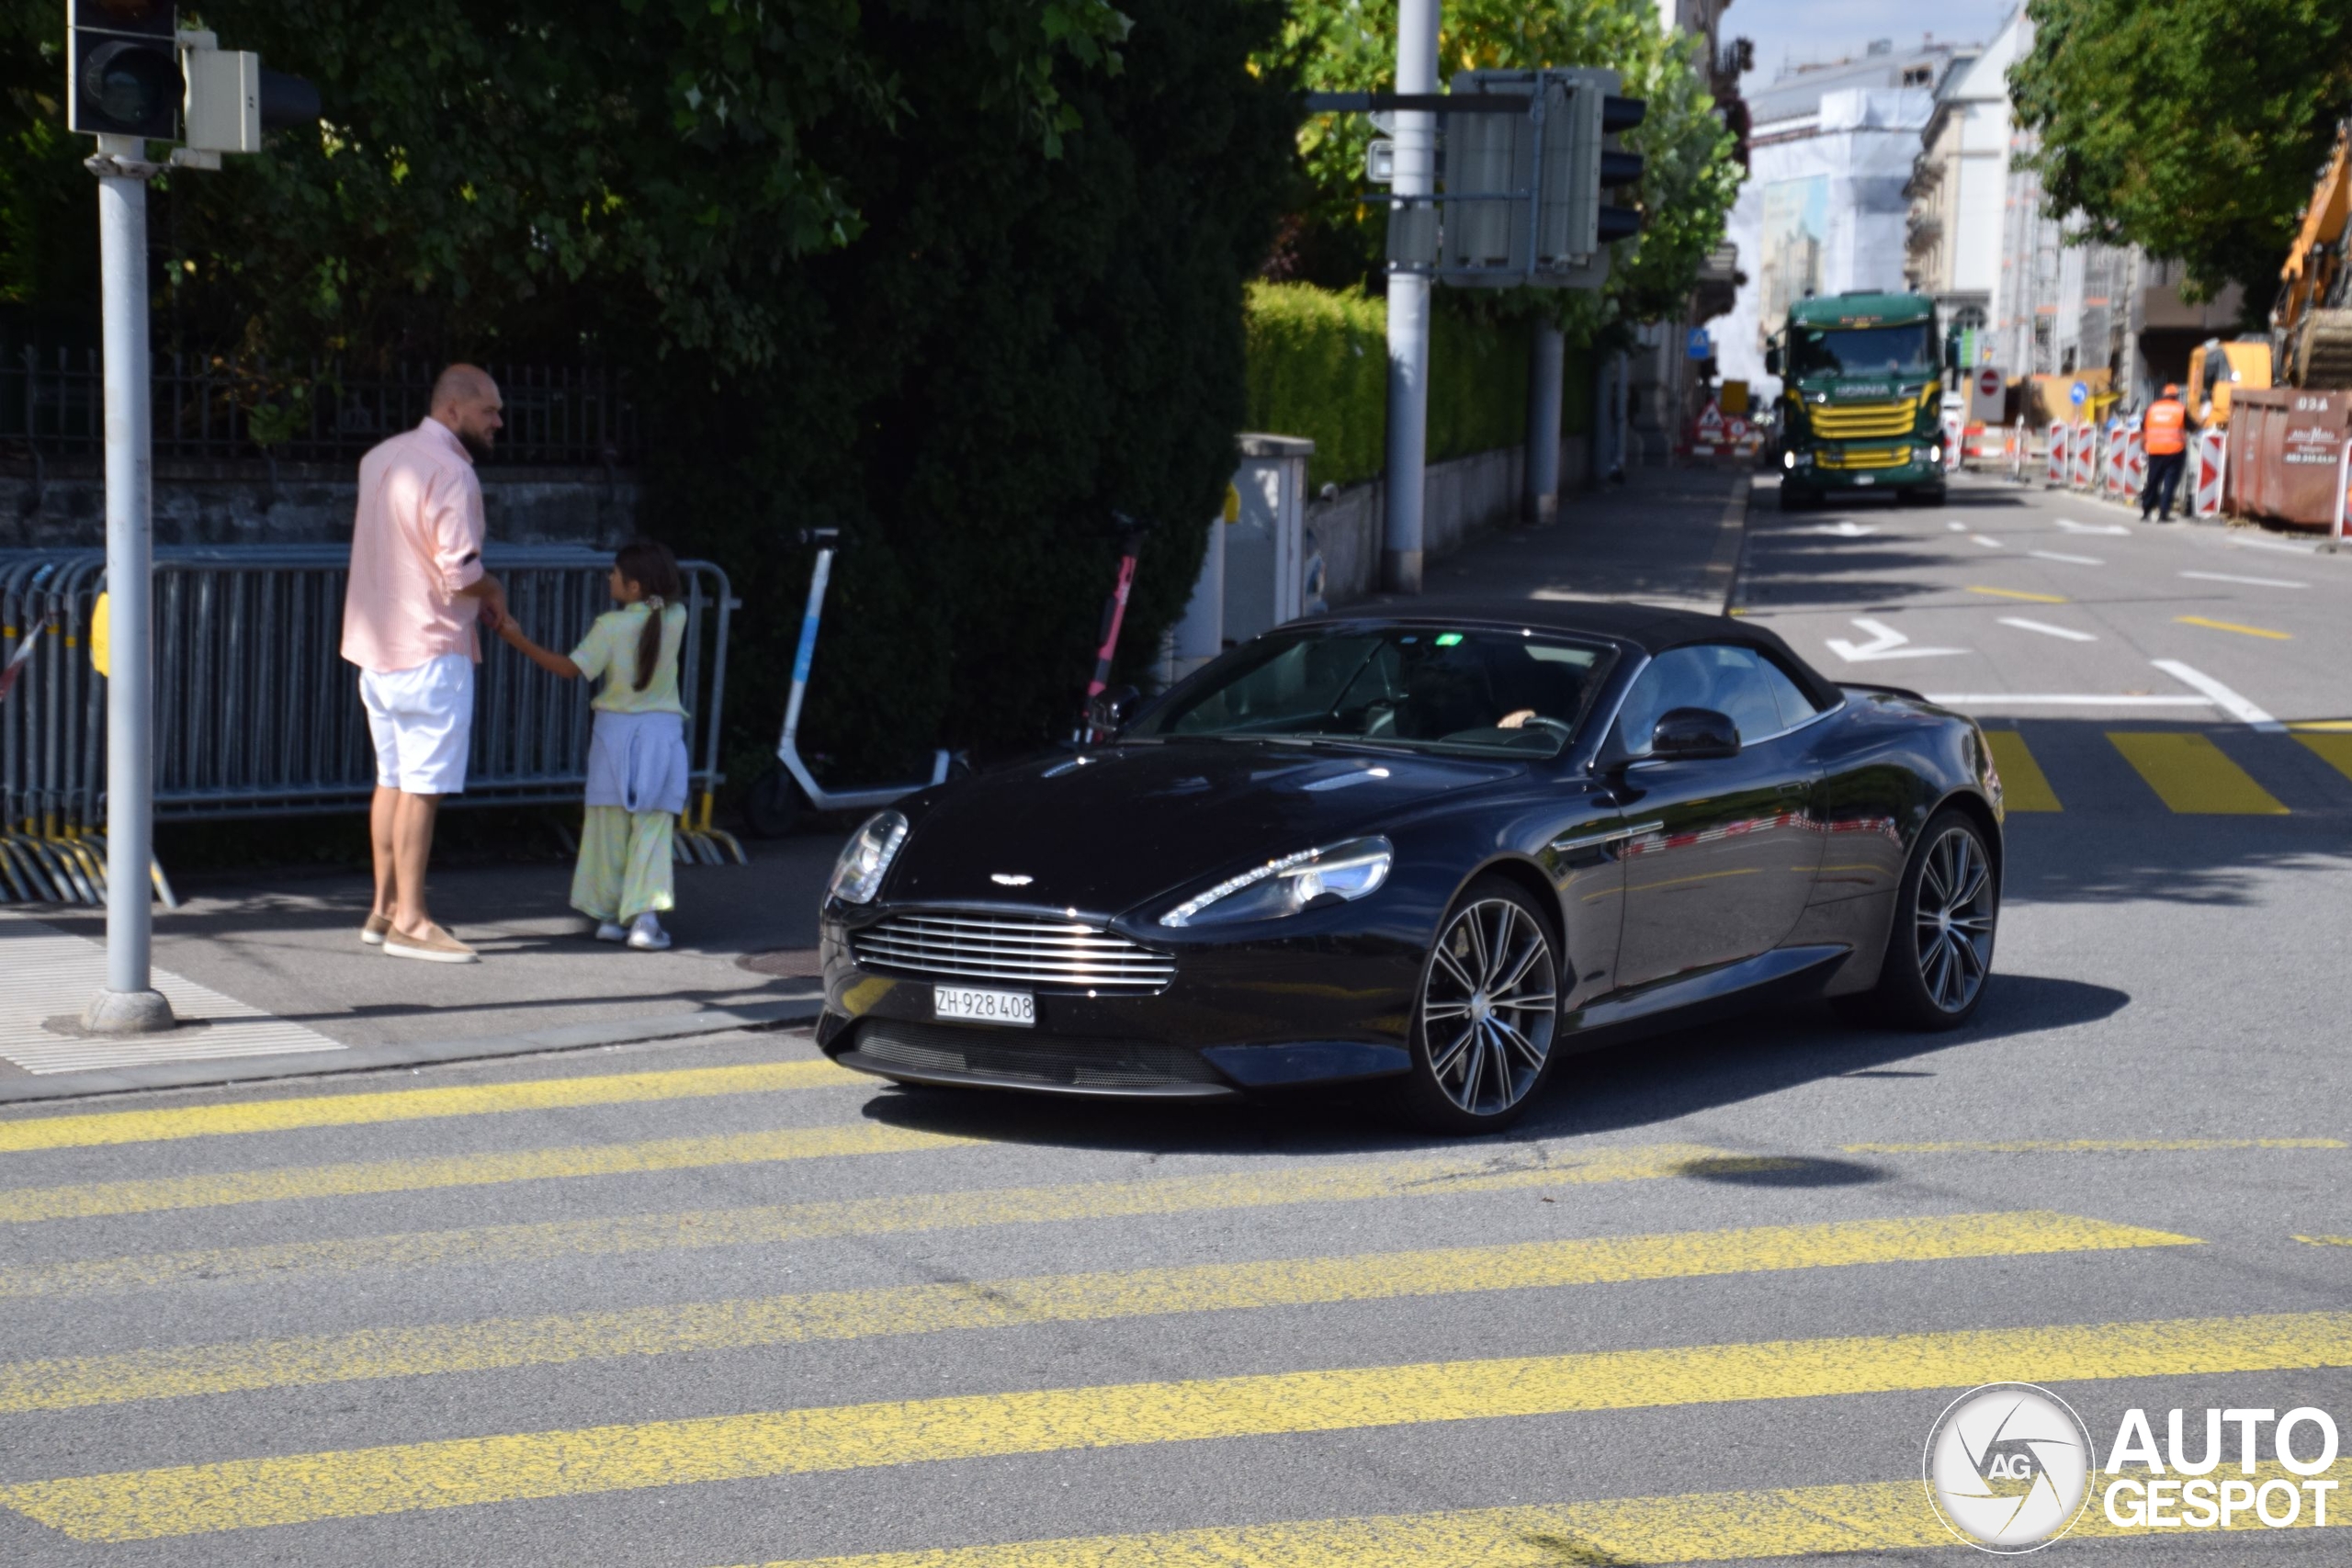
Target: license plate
[1866,478]
[966,1005]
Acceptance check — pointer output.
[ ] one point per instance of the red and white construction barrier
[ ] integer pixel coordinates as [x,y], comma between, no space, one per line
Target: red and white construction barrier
[2057,452]
[2082,457]
[2127,464]
[2208,466]
[1954,432]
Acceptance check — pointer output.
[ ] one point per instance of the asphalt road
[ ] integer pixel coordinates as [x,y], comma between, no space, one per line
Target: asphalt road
[719,1303]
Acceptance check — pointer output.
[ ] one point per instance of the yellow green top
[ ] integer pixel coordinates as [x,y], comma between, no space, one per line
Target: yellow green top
[610,650]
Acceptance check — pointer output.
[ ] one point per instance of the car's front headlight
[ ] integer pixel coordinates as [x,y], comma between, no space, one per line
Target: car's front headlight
[1284,886]
[858,875]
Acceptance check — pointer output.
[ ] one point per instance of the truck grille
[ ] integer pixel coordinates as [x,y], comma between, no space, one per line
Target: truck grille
[1017,949]
[1860,422]
[1863,458]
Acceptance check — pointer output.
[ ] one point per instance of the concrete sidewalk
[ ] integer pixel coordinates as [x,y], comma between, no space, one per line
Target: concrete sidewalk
[1666,536]
[272,967]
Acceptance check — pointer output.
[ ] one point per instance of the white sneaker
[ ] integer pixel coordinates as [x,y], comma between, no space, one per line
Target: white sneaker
[607,932]
[645,935]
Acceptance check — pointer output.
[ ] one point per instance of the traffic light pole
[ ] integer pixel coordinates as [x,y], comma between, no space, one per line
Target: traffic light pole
[1546,360]
[1409,306]
[129,1004]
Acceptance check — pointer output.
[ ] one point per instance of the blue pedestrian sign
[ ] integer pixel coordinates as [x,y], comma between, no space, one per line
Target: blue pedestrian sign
[1701,346]
[2078,394]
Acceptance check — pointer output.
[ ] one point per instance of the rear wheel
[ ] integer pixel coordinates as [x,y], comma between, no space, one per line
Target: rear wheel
[1940,954]
[1489,1008]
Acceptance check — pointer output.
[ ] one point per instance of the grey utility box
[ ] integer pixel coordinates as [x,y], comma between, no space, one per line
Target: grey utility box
[1253,572]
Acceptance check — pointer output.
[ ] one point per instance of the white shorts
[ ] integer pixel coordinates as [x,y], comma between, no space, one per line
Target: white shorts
[422,721]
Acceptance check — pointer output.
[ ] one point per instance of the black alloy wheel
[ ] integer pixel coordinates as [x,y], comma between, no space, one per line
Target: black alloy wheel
[1940,954]
[1489,1008]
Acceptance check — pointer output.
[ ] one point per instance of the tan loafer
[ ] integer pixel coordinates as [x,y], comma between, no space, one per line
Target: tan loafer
[436,946]
[375,930]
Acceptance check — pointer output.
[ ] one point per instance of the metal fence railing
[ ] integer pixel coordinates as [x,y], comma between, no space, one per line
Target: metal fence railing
[223,408]
[257,714]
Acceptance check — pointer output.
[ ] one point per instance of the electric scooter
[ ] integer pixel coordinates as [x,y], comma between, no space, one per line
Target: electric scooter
[1095,724]
[776,801]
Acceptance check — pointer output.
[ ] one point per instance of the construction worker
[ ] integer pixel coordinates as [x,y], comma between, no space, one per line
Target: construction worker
[2164,437]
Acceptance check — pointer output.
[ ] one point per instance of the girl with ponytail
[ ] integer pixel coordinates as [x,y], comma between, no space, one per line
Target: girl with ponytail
[637,755]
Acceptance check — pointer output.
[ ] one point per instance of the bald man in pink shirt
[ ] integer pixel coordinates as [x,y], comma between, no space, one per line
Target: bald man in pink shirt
[417,588]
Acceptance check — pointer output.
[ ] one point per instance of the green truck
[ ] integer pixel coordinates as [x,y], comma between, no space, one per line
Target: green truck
[1861,398]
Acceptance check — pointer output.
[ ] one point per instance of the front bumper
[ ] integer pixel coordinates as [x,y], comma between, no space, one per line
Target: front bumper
[1818,476]
[1318,1006]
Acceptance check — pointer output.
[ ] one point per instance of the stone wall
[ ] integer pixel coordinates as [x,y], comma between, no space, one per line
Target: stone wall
[236,503]
[1465,498]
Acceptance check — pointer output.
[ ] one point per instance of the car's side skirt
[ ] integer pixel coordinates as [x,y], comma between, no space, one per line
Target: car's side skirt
[1708,986]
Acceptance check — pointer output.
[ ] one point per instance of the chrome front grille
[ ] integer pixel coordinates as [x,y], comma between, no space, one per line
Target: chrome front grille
[1014,950]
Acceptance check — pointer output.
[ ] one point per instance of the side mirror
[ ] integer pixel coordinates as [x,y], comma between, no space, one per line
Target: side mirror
[1108,712]
[1694,735]
[1771,362]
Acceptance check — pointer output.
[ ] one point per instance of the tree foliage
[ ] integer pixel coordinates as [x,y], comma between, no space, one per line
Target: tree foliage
[2193,128]
[1688,180]
[959,277]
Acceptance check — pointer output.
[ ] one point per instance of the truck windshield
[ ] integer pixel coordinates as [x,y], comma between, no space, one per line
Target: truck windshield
[1862,351]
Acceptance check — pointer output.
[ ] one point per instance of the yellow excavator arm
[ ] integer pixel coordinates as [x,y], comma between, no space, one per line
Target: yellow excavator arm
[2311,325]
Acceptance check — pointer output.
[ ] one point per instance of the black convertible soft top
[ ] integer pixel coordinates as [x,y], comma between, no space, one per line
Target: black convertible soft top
[1648,628]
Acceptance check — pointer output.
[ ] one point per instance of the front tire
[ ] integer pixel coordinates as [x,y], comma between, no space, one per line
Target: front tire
[1794,498]
[1489,1009]
[1940,954]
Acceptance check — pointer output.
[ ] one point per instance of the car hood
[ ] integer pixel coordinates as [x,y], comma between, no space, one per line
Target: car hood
[1104,829]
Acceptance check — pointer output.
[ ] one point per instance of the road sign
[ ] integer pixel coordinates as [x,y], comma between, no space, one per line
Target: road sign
[2078,394]
[1699,346]
[1988,397]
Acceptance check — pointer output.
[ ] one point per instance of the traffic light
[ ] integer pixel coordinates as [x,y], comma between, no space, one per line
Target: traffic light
[233,98]
[123,75]
[1561,153]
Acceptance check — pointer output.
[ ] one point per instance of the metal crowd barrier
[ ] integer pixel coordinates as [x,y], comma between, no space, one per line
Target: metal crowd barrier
[257,714]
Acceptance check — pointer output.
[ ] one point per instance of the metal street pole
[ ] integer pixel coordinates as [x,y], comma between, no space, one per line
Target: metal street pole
[1408,302]
[1546,359]
[129,1004]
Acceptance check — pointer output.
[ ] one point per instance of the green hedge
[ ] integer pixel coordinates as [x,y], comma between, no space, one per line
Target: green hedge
[1318,367]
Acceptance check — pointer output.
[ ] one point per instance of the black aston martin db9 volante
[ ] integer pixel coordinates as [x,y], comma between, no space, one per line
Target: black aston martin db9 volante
[1439,847]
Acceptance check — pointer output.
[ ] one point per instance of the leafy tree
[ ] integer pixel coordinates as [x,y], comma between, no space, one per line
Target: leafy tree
[957,276]
[2193,128]
[1689,176]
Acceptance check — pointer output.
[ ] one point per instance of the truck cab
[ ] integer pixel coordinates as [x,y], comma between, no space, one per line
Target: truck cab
[1861,398]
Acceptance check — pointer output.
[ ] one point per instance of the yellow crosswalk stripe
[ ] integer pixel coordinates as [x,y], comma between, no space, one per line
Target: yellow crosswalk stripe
[194,1499]
[1339,1182]
[2093,1145]
[90,1200]
[2021,593]
[2235,627]
[2333,749]
[2191,774]
[1700,1527]
[414,1104]
[2024,786]
[178,1372]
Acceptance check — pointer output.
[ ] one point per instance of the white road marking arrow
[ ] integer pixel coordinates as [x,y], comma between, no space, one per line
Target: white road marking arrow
[1885,643]
[2074,527]
[1848,530]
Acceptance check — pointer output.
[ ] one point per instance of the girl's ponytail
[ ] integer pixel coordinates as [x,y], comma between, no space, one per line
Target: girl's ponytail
[650,565]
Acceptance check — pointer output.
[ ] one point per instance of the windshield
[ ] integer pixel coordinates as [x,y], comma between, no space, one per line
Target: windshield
[1414,687]
[1865,351]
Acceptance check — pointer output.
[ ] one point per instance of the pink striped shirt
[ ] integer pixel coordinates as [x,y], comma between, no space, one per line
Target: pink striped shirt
[415,542]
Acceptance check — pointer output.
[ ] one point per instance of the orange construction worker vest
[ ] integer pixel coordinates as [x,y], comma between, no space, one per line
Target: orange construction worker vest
[2166,421]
